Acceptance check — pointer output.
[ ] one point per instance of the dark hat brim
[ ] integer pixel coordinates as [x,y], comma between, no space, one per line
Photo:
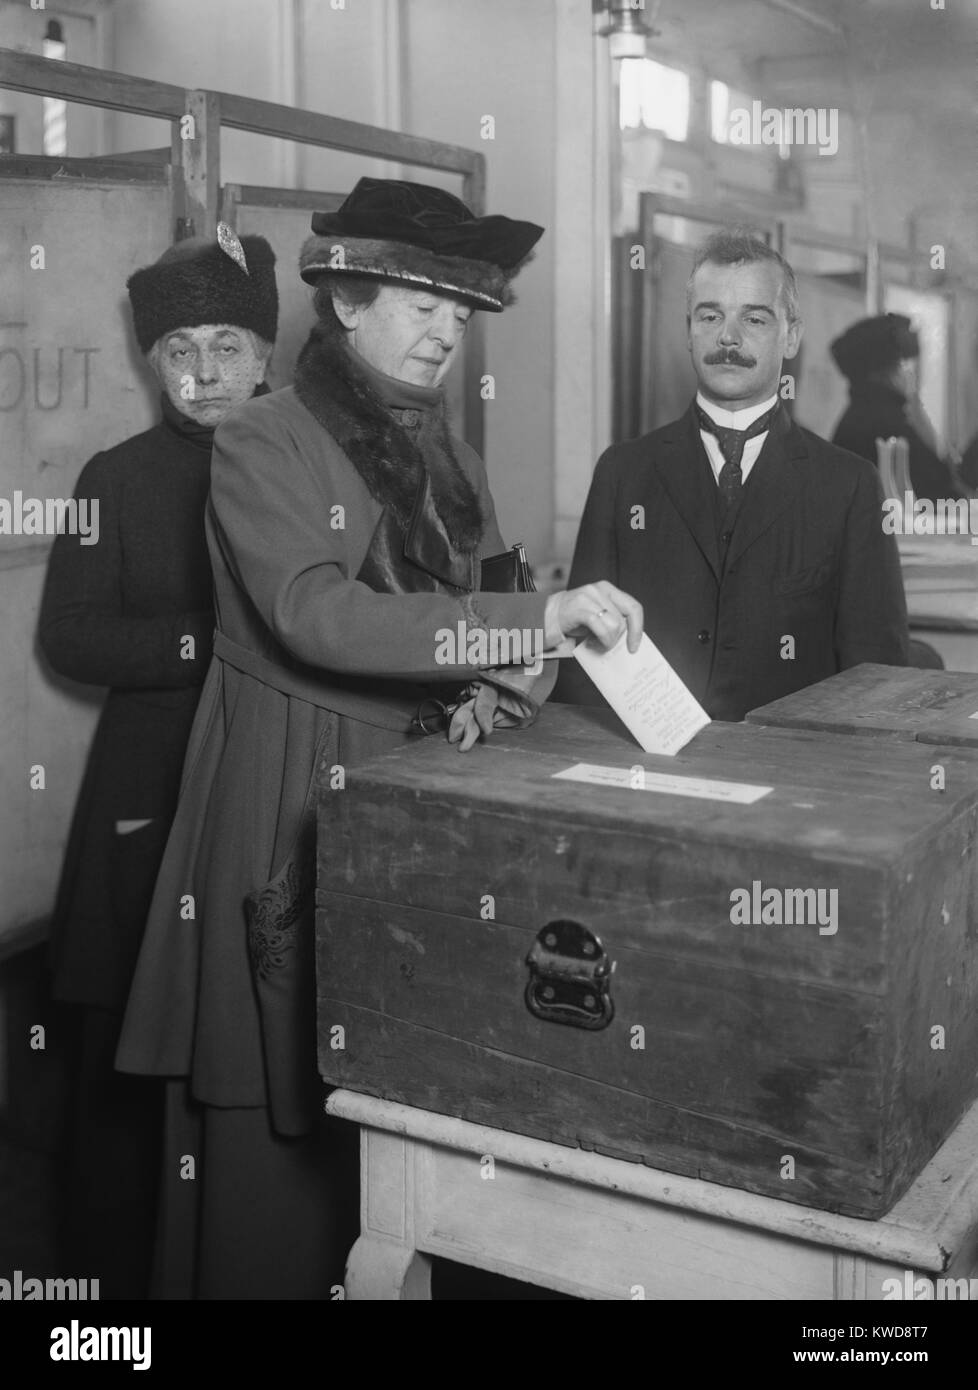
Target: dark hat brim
[476,282]
[419,235]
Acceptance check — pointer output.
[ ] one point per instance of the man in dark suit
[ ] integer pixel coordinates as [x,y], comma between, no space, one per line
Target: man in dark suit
[755,548]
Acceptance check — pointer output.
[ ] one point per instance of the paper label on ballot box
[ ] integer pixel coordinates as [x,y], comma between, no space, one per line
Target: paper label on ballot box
[640,779]
[645,693]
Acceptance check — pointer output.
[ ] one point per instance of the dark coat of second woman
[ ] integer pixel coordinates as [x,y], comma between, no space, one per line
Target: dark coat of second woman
[133,612]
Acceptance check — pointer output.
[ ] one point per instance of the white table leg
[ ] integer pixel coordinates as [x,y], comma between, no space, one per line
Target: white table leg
[384,1269]
[385,1262]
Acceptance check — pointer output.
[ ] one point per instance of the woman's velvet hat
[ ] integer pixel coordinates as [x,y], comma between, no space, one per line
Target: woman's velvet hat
[873,345]
[197,281]
[421,237]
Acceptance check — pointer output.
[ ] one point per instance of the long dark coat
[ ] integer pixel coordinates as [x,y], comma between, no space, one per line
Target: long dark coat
[877,411]
[805,558]
[314,670]
[119,613]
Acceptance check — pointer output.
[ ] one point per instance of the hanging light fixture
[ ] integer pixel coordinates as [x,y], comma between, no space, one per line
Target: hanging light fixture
[627,25]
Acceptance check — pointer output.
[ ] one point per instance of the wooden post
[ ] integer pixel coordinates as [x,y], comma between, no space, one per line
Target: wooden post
[200,158]
[178,197]
[874,279]
[230,200]
[474,196]
[649,312]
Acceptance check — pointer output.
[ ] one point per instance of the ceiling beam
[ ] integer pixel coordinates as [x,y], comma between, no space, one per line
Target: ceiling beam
[806,16]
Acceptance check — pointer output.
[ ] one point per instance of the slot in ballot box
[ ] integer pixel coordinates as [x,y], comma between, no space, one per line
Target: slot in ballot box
[755,962]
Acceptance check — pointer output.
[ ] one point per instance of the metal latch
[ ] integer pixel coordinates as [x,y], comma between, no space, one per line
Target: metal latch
[570,977]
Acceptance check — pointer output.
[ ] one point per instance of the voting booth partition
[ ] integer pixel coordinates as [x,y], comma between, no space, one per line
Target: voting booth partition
[72,381]
[71,384]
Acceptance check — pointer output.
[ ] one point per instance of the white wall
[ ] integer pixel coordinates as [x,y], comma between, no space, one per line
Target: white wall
[467,60]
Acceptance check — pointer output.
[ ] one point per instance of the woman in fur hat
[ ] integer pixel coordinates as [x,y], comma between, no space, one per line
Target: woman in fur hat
[135,613]
[346,527]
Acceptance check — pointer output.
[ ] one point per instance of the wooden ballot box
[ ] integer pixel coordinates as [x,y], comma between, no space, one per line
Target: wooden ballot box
[884,701]
[755,963]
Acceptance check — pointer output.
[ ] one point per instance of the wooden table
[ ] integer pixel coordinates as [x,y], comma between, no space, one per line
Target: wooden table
[940,576]
[604,1229]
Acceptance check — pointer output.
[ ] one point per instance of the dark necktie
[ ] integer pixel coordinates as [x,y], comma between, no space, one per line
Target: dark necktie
[732,443]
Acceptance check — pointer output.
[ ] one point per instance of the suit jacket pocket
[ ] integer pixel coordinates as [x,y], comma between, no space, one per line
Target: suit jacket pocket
[806,581]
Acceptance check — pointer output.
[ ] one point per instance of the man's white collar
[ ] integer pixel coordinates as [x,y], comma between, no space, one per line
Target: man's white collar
[735,419]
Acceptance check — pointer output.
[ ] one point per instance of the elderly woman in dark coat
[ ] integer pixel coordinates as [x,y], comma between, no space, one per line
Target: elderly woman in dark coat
[135,613]
[346,528]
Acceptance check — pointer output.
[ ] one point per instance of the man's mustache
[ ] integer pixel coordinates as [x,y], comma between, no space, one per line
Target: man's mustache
[724,356]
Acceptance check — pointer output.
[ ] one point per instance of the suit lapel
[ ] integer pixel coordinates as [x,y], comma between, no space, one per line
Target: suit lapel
[773,482]
[684,471]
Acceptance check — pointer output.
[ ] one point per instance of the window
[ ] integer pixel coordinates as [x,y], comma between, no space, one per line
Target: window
[724,102]
[654,97]
[55,112]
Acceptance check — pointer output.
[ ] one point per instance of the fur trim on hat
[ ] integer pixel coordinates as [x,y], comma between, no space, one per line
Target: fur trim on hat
[182,291]
[341,398]
[477,282]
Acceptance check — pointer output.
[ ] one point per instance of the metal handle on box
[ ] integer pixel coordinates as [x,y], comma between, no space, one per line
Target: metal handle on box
[570,977]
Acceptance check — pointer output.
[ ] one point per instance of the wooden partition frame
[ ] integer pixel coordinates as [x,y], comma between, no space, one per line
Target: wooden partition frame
[198,195]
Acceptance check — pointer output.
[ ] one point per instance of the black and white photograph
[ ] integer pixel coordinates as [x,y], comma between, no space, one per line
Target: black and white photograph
[489,697]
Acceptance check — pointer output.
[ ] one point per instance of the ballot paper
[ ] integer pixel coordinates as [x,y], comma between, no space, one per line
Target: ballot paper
[663,783]
[645,693]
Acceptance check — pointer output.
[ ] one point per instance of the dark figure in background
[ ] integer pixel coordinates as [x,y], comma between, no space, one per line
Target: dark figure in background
[879,358]
[754,547]
[134,612]
[969,467]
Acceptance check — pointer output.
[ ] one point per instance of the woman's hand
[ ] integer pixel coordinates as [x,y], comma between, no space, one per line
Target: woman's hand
[596,610]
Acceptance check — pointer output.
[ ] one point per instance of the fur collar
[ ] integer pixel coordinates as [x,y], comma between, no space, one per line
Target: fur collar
[341,398]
